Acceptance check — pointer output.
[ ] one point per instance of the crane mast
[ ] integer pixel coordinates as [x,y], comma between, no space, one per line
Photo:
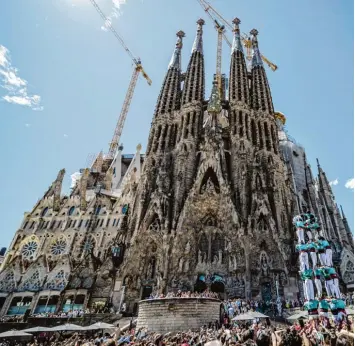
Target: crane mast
[123,115]
[132,84]
[208,8]
[220,31]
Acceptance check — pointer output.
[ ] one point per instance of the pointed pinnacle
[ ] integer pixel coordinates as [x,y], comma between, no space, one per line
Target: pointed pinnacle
[236,21]
[180,34]
[254,32]
[200,22]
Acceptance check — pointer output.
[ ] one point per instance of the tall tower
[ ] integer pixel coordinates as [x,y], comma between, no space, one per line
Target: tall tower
[162,141]
[241,124]
[214,189]
[189,123]
[331,213]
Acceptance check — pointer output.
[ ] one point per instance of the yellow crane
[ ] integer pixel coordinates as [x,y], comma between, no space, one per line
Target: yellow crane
[220,31]
[212,13]
[132,84]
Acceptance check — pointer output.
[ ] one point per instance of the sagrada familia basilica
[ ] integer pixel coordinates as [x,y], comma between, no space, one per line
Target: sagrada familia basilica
[209,204]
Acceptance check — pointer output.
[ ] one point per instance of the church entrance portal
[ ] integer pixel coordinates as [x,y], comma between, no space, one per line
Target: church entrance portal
[146,292]
[200,286]
[217,287]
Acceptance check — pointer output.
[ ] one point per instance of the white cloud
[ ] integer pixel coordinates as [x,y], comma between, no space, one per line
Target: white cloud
[350,184]
[334,182]
[65,135]
[115,13]
[75,177]
[15,86]
[27,125]
[3,53]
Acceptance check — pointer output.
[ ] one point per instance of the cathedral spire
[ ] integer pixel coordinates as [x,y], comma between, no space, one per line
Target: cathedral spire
[342,213]
[194,86]
[237,42]
[169,97]
[260,97]
[175,61]
[323,180]
[198,46]
[256,59]
[347,228]
[238,75]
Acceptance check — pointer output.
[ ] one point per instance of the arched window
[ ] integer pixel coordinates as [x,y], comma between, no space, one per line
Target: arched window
[71,211]
[98,209]
[44,211]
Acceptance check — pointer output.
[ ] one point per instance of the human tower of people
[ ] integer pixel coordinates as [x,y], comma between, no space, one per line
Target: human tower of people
[316,268]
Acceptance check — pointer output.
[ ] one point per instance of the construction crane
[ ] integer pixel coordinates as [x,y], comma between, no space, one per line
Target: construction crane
[132,84]
[212,13]
[220,31]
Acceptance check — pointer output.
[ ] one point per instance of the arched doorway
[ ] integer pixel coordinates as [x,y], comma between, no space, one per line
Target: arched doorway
[217,287]
[200,286]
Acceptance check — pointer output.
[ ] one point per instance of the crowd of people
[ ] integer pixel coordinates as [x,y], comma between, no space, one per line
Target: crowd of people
[322,331]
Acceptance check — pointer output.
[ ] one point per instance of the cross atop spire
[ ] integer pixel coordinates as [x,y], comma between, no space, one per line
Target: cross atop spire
[175,61]
[197,46]
[256,60]
[237,43]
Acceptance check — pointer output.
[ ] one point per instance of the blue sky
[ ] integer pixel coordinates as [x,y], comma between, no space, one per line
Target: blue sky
[77,76]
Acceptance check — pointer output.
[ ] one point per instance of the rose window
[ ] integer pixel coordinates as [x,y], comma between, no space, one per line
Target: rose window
[29,249]
[58,247]
[88,245]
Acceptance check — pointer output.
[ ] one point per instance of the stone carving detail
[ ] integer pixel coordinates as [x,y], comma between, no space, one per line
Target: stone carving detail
[264,264]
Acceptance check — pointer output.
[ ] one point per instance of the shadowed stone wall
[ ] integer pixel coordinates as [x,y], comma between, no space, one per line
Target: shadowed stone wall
[177,314]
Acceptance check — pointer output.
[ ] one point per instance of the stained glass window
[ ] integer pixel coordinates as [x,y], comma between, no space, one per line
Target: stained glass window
[44,211]
[71,211]
[32,283]
[88,245]
[58,282]
[7,282]
[58,247]
[29,249]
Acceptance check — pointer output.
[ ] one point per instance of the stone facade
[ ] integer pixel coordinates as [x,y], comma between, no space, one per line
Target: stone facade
[176,315]
[211,206]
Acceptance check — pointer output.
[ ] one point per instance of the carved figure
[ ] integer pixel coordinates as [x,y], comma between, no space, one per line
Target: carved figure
[264,264]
